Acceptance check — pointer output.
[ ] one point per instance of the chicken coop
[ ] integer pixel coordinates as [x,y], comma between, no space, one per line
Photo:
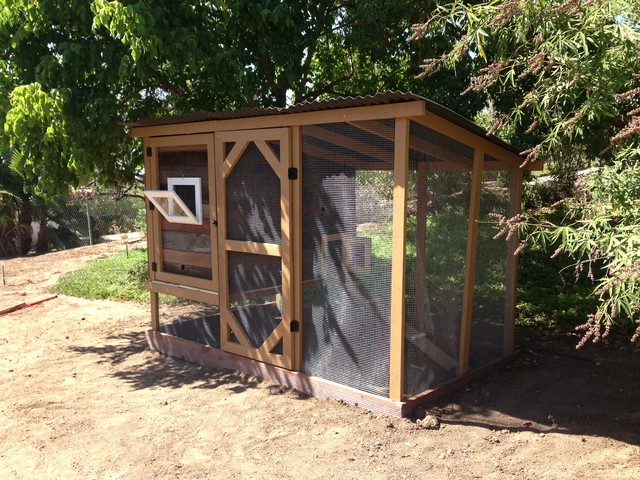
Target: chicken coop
[343,248]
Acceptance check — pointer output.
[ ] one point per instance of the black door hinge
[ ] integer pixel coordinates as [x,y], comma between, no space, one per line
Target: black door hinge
[294,326]
[151,206]
[293,173]
[154,267]
[149,151]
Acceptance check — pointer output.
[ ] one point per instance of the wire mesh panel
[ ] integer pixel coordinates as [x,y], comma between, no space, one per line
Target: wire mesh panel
[255,293]
[253,199]
[489,297]
[347,229]
[438,216]
[191,320]
[186,249]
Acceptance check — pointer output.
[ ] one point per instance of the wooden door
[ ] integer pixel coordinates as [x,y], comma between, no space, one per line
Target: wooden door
[184,254]
[254,214]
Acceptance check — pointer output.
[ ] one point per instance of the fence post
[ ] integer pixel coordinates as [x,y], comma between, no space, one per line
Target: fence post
[86,202]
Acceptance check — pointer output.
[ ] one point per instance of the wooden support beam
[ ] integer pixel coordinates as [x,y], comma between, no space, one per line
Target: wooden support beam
[271,158]
[154,219]
[515,202]
[393,110]
[350,143]
[416,144]
[332,156]
[398,259]
[155,311]
[234,155]
[462,135]
[470,263]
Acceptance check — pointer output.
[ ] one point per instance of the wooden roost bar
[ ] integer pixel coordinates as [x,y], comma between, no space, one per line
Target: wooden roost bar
[345,243]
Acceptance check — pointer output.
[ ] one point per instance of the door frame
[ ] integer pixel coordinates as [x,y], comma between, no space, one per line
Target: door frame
[229,326]
[155,227]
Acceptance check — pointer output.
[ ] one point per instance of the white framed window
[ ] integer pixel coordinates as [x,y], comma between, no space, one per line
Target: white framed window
[182,202]
[189,189]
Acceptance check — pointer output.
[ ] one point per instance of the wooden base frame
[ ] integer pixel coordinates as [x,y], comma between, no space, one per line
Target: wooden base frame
[314,386]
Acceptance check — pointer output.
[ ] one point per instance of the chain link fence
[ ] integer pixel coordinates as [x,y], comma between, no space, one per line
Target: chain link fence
[90,217]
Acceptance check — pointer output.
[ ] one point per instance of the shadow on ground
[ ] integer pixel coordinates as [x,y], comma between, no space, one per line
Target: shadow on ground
[126,353]
[551,387]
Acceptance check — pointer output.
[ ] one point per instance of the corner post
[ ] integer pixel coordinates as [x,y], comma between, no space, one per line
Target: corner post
[398,260]
[470,262]
[515,206]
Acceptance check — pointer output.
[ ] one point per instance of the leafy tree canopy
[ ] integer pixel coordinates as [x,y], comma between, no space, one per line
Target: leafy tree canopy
[557,71]
[71,72]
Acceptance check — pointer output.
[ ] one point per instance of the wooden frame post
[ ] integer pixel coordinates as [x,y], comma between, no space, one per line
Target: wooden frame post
[296,200]
[421,239]
[470,262]
[515,205]
[150,183]
[398,259]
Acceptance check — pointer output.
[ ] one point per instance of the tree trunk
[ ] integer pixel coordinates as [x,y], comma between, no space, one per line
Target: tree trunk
[25,231]
[42,244]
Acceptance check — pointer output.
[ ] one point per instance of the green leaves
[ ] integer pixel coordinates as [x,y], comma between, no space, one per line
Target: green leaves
[563,80]
[117,60]
[601,232]
[561,63]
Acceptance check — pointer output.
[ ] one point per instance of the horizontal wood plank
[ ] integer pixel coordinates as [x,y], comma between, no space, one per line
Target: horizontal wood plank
[191,140]
[187,272]
[187,242]
[196,259]
[204,227]
[271,249]
[182,279]
[190,293]
[374,112]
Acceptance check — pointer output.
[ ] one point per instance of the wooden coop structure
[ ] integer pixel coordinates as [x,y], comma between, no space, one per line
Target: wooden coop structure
[346,246]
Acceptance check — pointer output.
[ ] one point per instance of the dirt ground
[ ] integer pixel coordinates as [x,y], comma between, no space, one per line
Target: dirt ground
[82,397]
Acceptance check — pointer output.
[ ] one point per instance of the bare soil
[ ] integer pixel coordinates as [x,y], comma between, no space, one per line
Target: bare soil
[82,397]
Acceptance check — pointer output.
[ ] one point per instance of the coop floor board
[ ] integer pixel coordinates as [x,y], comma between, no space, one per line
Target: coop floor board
[317,387]
[212,357]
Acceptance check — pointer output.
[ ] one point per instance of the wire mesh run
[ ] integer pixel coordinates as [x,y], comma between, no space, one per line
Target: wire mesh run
[438,213]
[347,228]
[489,298]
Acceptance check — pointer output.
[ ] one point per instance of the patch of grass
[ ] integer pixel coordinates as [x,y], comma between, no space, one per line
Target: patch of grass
[120,277]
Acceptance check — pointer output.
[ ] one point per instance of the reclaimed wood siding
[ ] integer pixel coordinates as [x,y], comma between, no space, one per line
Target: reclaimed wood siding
[186,249]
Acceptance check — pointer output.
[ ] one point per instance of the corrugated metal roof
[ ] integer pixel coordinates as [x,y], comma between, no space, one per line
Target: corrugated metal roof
[333,104]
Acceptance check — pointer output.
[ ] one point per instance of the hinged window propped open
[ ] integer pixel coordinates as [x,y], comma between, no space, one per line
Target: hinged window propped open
[182,203]
[171,206]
